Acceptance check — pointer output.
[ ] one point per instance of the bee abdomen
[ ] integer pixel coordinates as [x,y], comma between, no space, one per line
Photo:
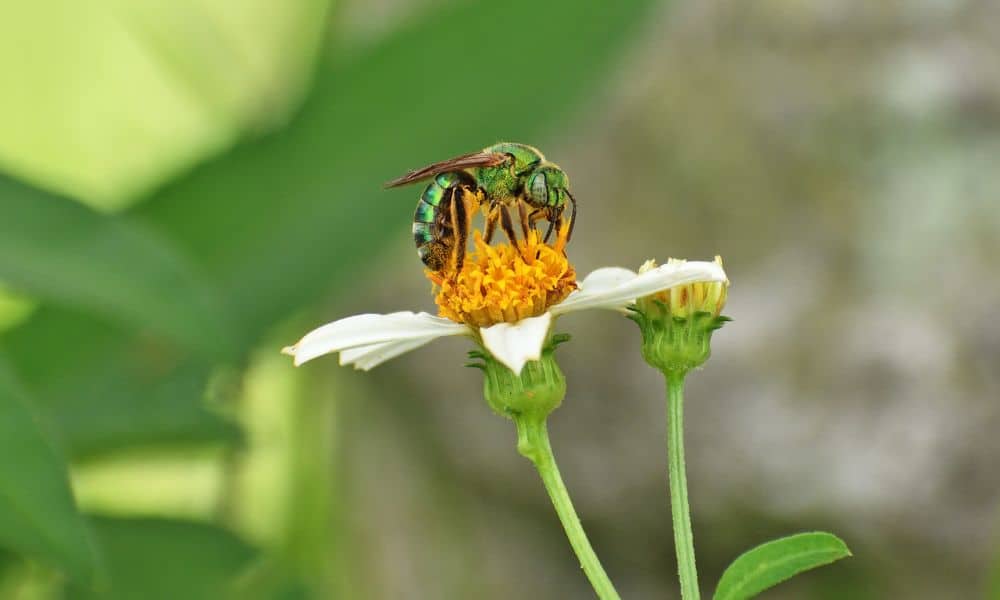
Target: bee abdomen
[432,232]
[422,233]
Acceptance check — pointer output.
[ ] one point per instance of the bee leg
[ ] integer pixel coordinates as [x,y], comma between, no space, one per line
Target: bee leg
[535,216]
[507,225]
[562,226]
[548,232]
[572,216]
[522,212]
[460,226]
[491,225]
[566,227]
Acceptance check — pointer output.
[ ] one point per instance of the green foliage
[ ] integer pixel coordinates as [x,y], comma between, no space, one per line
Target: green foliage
[138,311]
[37,515]
[773,562]
[118,94]
[107,389]
[62,253]
[168,559]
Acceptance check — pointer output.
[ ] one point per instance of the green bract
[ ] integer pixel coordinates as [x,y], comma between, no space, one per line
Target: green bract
[675,344]
[535,393]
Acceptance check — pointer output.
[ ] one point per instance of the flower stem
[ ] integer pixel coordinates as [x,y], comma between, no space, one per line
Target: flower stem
[533,443]
[680,511]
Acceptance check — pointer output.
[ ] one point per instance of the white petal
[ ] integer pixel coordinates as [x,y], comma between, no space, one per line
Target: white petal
[368,357]
[594,285]
[372,329]
[514,344]
[594,288]
[614,289]
[606,278]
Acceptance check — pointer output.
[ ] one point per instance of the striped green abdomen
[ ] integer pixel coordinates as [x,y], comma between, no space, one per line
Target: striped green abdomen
[432,213]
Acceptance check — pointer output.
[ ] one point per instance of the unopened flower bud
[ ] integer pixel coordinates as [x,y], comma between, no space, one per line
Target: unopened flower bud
[677,323]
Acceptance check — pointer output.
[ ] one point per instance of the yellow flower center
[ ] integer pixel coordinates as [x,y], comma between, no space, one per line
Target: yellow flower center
[685,300]
[504,283]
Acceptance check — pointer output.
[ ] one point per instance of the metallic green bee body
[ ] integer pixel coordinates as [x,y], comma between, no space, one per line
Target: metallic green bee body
[506,180]
[498,178]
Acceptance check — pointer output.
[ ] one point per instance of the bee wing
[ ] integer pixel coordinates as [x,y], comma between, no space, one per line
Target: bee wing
[465,161]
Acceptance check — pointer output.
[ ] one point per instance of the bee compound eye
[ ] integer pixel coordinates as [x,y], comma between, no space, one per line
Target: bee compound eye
[539,189]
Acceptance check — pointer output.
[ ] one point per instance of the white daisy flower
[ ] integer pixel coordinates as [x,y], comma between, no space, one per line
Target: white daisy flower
[505,298]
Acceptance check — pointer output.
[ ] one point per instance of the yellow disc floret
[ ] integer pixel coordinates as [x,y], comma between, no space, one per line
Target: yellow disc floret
[504,283]
[683,301]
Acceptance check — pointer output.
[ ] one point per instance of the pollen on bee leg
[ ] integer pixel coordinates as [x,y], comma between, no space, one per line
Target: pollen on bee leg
[562,236]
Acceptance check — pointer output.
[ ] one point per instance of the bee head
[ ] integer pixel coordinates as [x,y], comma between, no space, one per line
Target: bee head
[547,186]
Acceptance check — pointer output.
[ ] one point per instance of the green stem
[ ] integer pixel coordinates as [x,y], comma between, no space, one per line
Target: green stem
[533,443]
[679,509]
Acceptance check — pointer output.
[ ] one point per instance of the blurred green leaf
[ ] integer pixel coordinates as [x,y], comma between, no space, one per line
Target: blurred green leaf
[773,562]
[118,93]
[280,221]
[269,579]
[169,559]
[993,578]
[38,517]
[106,389]
[61,252]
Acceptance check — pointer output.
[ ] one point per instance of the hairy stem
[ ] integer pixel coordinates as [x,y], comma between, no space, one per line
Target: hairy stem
[533,443]
[679,508]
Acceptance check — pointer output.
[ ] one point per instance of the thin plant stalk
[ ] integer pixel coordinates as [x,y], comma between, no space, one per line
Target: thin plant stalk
[679,508]
[533,443]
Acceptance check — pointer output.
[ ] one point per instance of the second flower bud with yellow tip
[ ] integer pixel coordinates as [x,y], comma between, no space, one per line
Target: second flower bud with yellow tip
[677,324]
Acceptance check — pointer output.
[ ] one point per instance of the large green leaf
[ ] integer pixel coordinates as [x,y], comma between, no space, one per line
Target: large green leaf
[160,558]
[773,562]
[117,93]
[64,253]
[38,517]
[105,388]
[280,221]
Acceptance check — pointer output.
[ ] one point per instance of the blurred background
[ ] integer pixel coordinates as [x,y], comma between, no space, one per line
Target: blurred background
[190,185]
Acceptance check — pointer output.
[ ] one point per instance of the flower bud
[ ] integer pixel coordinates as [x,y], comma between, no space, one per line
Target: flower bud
[677,323]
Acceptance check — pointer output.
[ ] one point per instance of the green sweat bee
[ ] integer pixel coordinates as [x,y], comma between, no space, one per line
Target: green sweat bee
[499,178]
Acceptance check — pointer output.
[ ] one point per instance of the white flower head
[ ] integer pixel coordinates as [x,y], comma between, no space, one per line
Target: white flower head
[509,308]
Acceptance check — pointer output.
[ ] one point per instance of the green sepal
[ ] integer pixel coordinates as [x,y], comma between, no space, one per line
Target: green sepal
[534,393]
[477,355]
[556,340]
[671,344]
